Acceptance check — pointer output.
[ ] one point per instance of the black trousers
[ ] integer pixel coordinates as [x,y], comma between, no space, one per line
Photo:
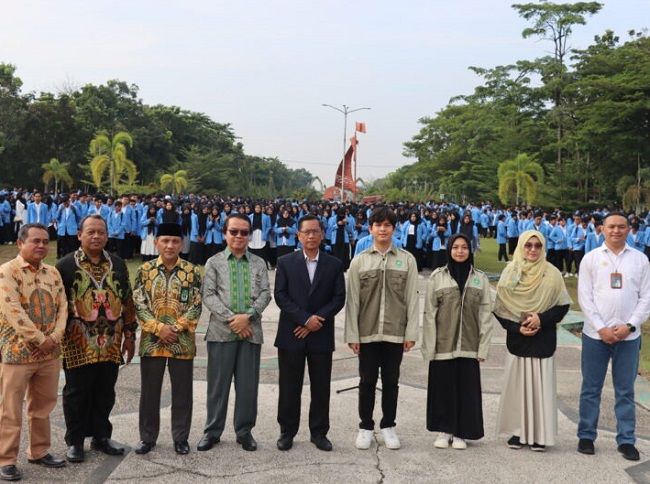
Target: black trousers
[373,357]
[551,256]
[292,372]
[66,244]
[577,258]
[152,371]
[88,398]
[512,245]
[115,246]
[503,254]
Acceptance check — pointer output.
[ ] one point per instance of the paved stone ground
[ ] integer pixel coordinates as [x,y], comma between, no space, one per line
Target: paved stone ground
[488,460]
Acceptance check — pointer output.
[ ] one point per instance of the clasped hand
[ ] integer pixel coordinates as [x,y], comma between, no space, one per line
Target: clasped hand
[240,324]
[313,324]
[530,326]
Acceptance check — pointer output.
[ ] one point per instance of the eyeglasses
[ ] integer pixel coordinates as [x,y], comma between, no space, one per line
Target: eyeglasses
[311,232]
[235,232]
[529,245]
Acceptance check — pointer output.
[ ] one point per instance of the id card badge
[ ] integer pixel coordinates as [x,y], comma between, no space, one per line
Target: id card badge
[185,295]
[616,280]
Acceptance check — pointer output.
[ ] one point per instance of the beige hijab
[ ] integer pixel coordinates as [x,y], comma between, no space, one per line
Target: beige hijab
[532,287]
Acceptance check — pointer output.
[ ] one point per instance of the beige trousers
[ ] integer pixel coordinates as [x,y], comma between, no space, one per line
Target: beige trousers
[39,383]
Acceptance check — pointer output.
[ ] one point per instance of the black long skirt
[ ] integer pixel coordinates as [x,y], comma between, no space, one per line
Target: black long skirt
[454,402]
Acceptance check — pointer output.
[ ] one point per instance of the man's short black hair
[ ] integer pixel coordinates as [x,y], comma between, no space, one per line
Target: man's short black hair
[307,218]
[620,214]
[382,214]
[240,216]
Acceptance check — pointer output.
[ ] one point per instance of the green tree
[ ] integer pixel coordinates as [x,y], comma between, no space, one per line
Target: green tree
[111,154]
[176,181]
[57,172]
[518,179]
[555,22]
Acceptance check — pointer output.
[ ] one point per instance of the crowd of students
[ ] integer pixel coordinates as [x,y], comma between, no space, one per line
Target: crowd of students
[422,228]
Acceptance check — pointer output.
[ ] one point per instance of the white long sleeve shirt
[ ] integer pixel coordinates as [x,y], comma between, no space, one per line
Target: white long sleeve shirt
[604,306]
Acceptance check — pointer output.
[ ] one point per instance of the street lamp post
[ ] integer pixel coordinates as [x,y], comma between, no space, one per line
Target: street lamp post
[346,110]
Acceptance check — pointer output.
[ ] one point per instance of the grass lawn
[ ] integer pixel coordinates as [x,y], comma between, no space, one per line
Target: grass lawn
[486,260]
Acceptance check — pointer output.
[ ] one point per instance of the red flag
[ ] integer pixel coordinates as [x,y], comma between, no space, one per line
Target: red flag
[361,127]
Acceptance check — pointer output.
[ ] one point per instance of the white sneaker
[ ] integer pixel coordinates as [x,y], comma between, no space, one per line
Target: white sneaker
[390,438]
[567,275]
[442,442]
[364,439]
[459,443]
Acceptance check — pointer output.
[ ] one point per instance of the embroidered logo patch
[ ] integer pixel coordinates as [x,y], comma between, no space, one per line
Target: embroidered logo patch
[398,263]
[477,281]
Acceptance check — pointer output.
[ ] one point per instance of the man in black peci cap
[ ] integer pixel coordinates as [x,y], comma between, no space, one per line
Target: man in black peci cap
[167,296]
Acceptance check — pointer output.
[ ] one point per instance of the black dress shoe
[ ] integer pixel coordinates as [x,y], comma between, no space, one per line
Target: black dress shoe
[10,473]
[48,461]
[586,446]
[629,451]
[247,442]
[182,448]
[321,442]
[285,442]
[144,447]
[107,446]
[75,453]
[207,442]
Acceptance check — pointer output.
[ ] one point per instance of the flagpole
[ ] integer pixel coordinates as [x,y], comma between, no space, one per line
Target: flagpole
[345,111]
[356,143]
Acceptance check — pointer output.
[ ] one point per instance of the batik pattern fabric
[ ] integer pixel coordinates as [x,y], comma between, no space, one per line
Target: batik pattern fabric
[100,309]
[32,307]
[164,297]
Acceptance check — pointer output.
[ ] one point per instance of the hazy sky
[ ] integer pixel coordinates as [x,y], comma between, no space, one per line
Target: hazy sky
[267,66]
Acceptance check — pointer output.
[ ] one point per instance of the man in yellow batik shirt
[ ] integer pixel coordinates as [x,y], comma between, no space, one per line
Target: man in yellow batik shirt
[167,297]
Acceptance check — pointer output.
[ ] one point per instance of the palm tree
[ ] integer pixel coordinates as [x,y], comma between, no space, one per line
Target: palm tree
[635,192]
[111,155]
[520,176]
[177,181]
[57,171]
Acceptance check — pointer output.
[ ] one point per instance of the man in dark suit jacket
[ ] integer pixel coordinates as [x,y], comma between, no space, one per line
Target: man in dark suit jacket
[309,290]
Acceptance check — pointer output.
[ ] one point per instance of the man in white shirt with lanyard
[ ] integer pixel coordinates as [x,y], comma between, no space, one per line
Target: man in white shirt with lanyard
[614,295]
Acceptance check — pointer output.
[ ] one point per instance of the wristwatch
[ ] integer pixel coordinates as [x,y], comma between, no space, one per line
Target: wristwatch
[631,327]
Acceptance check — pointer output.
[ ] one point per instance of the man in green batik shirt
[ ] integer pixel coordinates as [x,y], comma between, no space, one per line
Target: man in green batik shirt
[236,291]
[167,296]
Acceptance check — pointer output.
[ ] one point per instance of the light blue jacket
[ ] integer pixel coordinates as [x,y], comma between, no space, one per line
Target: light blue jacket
[116,224]
[67,225]
[285,236]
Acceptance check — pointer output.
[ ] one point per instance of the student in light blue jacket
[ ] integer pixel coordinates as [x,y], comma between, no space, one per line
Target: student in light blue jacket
[341,234]
[198,235]
[502,238]
[148,231]
[214,239]
[636,238]
[560,238]
[116,225]
[437,242]
[285,231]
[596,238]
[414,236]
[67,220]
[577,242]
